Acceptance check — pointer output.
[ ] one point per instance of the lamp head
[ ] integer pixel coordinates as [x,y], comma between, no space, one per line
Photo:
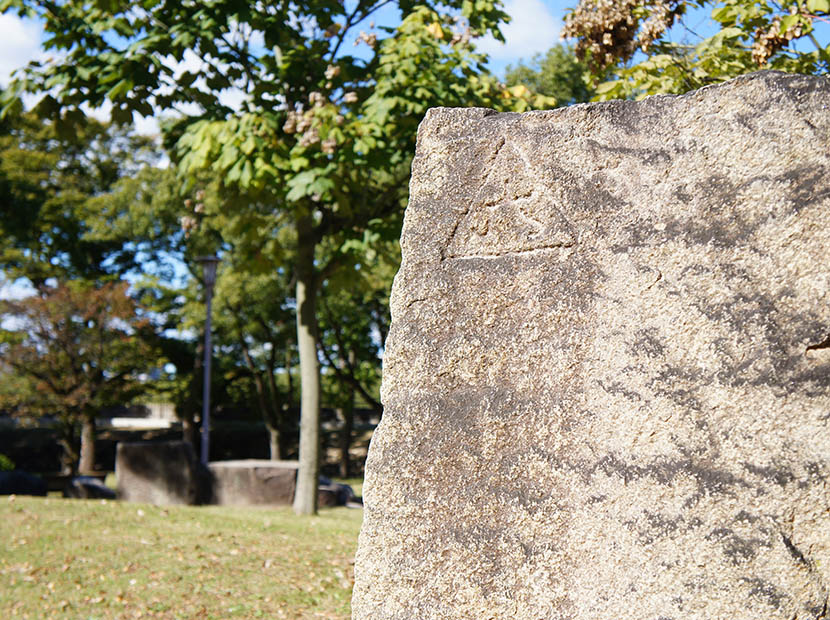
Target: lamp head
[209,264]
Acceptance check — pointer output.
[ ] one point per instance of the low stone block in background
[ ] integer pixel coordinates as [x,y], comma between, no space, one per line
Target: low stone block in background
[251,482]
[161,473]
[607,382]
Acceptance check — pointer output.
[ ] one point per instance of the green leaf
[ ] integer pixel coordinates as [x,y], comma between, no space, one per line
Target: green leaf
[248,145]
[788,22]
[321,185]
[120,89]
[233,175]
[730,33]
[247,174]
[724,14]
[818,6]
[84,72]
[121,116]
[607,87]
[229,156]
[299,163]
[300,185]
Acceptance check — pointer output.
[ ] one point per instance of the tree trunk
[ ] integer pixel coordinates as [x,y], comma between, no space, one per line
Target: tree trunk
[189,428]
[287,417]
[69,442]
[191,403]
[346,440]
[87,460]
[275,443]
[305,496]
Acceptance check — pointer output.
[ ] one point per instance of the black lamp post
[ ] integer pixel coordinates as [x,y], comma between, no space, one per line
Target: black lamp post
[209,264]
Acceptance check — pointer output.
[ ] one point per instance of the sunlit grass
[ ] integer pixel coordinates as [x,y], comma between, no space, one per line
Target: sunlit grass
[94,559]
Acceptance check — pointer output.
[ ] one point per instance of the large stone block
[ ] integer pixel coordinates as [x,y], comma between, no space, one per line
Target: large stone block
[607,382]
[161,473]
[251,482]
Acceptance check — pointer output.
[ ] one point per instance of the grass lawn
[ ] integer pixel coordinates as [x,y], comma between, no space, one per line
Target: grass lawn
[93,559]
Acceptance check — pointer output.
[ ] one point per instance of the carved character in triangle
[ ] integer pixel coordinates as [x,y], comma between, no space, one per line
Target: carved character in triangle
[513,212]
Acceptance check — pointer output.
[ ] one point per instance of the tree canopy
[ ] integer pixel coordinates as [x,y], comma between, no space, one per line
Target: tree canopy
[49,182]
[647,47]
[558,74]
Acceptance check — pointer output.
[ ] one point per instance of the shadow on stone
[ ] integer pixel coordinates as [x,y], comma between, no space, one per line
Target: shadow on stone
[161,473]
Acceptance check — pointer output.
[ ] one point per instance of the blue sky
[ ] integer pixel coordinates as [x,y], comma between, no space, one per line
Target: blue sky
[534,28]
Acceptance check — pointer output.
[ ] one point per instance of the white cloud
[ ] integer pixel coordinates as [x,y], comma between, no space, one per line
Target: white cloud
[146,125]
[190,62]
[15,289]
[19,43]
[233,98]
[101,113]
[532,29]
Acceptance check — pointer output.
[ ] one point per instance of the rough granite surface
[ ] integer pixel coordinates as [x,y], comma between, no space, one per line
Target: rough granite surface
[607,382]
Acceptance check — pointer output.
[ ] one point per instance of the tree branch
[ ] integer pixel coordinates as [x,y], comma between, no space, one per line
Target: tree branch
[349,378]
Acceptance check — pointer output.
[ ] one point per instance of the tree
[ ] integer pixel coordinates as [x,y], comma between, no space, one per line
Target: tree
[70,351]
[49,182]
[558,74]
[257,326]
[321,142]
[146,207]
[354,322]
[88,202]
[634,42]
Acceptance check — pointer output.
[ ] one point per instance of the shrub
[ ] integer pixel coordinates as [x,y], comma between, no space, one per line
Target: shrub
[6,464]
